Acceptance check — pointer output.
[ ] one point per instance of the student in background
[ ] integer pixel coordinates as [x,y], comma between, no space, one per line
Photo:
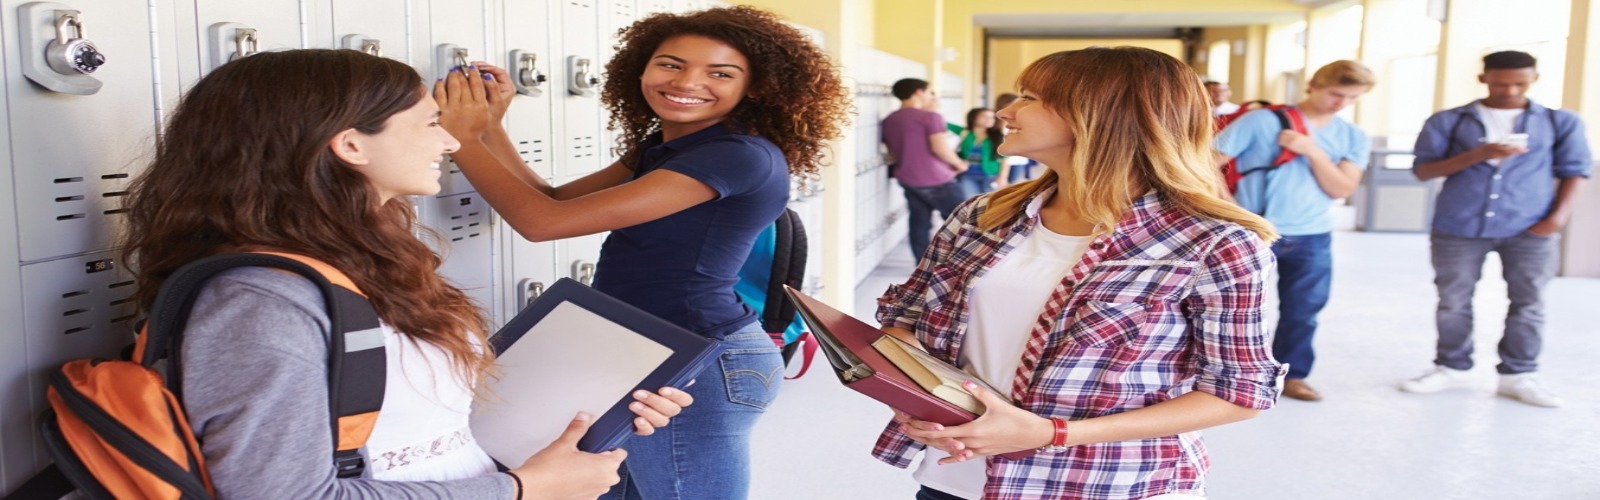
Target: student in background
[1504,194]
[314,152]
[925,160]
[976,143]
[1116,300]
[1297,198]
[716,111]
[1220,93]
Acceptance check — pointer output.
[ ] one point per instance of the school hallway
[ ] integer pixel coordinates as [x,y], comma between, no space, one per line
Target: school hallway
[1365,440]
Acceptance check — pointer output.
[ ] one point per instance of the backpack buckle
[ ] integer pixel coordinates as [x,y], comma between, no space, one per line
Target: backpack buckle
[348,464]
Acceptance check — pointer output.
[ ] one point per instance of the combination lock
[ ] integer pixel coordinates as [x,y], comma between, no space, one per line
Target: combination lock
[73,54]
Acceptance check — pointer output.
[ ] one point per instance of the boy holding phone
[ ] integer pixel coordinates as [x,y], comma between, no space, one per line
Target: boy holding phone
[1512,169]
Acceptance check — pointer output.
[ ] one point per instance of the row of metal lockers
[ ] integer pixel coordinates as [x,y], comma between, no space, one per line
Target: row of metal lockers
[74,139]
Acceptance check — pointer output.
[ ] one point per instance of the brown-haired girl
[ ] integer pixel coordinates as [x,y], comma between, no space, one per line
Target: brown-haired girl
[1116,300]
[717,110]
[313,152]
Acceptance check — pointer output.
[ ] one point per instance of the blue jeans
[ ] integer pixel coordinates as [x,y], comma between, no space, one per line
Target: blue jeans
[704,454]
[921,202]
[1527,264]
[1305,275]
[1020,173]
[974,181]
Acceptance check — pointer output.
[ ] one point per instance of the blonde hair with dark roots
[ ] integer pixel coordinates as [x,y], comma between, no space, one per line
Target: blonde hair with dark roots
[1141,120]
[799,100]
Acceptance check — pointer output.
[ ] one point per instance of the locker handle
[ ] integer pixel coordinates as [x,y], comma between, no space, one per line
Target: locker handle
[245,38]
[68,19]
[372,47]
[583,272]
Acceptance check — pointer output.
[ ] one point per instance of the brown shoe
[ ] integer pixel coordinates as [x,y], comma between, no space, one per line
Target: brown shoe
[1298,389]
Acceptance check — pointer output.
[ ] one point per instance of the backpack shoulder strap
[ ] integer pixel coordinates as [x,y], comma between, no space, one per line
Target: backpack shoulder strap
[356,358]
[1291,119]
[788,268]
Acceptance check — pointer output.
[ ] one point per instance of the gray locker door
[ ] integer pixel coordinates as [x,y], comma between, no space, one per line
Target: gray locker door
[531,61]
[527,268]
[578,72]
[230,29]
[373,26]
[79,307]
[75,154]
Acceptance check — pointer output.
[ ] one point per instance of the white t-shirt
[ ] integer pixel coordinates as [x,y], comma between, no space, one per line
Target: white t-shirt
[421,433]
[1004,304]
[1226,108]
[1497,124]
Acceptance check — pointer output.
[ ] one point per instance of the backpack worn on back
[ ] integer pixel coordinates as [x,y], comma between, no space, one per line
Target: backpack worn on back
[1288,116]
[116,429]
[778,258]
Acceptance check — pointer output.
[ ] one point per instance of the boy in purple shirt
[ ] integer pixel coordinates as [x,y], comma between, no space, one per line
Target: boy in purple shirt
[925,161]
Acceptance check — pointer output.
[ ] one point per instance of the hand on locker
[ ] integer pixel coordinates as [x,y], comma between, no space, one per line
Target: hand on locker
[463,104]
[498,89]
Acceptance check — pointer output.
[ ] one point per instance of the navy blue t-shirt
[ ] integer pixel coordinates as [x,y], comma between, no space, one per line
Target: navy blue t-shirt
[682,267]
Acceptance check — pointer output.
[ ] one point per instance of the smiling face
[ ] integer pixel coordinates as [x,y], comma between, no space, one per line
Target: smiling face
[693,82]
[404,158]
[1033,130]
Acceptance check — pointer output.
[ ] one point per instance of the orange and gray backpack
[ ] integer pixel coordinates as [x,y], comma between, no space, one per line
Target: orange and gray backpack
[117,429]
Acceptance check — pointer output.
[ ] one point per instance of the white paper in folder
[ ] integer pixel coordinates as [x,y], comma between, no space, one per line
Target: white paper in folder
[573,360]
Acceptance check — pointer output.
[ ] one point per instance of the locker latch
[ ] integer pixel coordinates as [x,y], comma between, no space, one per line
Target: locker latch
[55,51]
[582,81]
[528,79]
[357,41]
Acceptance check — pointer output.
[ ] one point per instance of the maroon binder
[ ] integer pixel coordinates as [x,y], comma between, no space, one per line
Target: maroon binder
[847,343]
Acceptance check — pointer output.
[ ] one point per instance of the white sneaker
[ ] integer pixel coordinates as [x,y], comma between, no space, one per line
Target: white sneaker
[1438,379]
[1525,387]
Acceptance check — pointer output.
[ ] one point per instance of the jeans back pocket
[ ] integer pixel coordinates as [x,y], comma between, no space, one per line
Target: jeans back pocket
[752,375]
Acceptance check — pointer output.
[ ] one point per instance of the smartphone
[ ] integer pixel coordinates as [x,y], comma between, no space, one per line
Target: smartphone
[1518,140]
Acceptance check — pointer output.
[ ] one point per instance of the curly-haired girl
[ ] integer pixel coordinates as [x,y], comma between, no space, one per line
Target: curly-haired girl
[717,110]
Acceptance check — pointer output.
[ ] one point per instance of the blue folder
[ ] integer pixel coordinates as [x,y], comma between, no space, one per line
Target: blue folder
[690,352]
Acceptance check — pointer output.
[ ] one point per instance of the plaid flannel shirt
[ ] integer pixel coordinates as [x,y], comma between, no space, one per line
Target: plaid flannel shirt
[1165,304]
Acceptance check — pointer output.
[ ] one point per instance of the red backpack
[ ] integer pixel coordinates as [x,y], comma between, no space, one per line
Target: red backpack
[1288,116]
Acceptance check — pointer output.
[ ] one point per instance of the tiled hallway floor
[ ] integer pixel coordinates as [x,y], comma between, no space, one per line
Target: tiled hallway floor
[1366,440]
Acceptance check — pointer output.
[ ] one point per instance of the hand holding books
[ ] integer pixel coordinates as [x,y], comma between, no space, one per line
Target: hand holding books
[1002,430]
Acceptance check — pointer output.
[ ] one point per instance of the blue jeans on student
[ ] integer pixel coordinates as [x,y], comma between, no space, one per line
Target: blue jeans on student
[704,454]
[1020,173]
[921,202]
[975,181]
[1305,275]
[1527,263]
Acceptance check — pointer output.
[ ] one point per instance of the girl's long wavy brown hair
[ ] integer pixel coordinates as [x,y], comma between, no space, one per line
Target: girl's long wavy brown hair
[245,163]
[800,102]
[1141,120]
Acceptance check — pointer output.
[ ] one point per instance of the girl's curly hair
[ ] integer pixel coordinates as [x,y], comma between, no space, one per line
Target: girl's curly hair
[801,101]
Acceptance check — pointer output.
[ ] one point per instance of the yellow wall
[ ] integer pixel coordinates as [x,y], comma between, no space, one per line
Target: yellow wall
[1244,70]
[1011,55]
